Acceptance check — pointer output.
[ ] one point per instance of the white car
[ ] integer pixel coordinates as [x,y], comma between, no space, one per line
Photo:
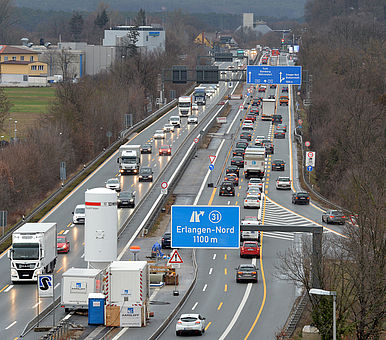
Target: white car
[255,191]
[259,140]
[190,323]
[252,201]
[253,235]
[79,214]
[114,184]
[255,183]
[159,134]
[192,120]
[169,128]
[283,183]
[175,120]
[194,107]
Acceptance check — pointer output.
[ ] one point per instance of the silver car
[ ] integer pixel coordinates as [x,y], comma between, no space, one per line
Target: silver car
[333,216]
[113,184]
[283,183]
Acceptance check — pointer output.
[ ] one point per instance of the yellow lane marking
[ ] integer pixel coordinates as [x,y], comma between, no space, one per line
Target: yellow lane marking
[16,338]
[237,202]
[219,306]
[238,194]
[69,224]
[226,288]
[59,269]
[225,256]
[5,287]
[212,196]
[316,207]
[225,271]
[207,326]
[61,232]
[264,283]
[241,180]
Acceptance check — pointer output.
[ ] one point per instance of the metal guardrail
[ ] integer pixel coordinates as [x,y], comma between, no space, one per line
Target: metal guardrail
[122,136]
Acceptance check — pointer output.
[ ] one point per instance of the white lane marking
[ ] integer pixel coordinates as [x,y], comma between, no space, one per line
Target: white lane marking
[194,306]
[204,289]
[239,309]
[36,304]
[67,317]
[8,289]
[66,232]
[214,256]
[123,331]
[13,323]
[154,294]
[82,256]
[210,271]
[57,285]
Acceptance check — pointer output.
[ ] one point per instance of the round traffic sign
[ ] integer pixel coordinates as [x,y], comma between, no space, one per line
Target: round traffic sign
[241,106]
[211,167]
[300,121]
[307,144]
[310,154]
[164,185]
[310,168]
[196,140]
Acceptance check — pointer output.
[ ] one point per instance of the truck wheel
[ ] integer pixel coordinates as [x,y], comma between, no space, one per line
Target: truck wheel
[67,310]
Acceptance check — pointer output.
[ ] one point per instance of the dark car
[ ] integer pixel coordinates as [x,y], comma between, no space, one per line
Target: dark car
[239,152]
[232,178]
[226,189]
[238,161]
[146,148]
[246,272]
[272,86]
[254,110]
[232,169]
[269,148]
[246,135]
[145,174]
[334,216]
[126,199]
[279,134]
[241,144]
[278,165]
[166,241]
[301,197]
[282,127]
[284,89]
[62,245]
[277,119]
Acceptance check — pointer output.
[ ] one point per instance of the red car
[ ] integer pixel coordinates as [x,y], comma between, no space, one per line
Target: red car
[254,110]
[250,248]
[62,245]
[165,150]
[250,117]
[261,89]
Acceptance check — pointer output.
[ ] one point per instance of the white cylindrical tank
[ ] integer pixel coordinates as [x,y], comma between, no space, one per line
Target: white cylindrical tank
[101,226]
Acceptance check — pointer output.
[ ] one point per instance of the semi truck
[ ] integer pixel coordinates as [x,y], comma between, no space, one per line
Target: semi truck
[254,162]
[129,159]
[269,107]
[199,95]
[185,106]
[33,251]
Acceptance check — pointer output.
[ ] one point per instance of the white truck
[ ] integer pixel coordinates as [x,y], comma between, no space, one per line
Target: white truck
[77,284]
[254,162]
[129,159]
[269,107]
[33,251]
[185,106]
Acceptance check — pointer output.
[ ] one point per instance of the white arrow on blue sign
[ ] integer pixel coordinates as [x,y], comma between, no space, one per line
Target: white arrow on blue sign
[290,75]
[310,168]
[211,167]
[195,226]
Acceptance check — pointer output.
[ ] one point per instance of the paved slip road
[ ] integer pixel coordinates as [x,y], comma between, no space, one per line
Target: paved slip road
[251,311]
[18,303]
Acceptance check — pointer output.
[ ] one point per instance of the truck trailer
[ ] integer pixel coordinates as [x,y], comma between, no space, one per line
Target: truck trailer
[269,107]
[185,106]
[199,95]
[129,159]
[33,251]
[254,162]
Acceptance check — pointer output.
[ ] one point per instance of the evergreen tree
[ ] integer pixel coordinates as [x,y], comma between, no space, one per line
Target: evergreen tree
[76,25]
[102,19]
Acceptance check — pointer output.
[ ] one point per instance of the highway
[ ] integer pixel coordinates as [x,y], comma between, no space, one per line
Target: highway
[19,303]
[251,311]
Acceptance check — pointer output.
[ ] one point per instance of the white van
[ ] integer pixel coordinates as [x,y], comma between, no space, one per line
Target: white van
[175,120]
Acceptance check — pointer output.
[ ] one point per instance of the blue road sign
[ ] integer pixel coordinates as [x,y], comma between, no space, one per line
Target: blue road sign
[195,226]
[290,75]
[310,168]
[45,285]
[211,167]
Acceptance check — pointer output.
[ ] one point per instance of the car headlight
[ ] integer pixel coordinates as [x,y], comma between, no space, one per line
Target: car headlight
[131,200]
[119,201]
[140,176]
[150,176]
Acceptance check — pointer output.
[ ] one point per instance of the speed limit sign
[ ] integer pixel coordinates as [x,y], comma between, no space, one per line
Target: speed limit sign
[164,185]
[310,158]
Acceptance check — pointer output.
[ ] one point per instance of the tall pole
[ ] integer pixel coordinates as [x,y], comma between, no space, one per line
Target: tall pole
[334,317]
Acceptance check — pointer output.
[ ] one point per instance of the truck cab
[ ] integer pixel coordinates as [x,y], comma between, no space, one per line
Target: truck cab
[129,160]
[185,106]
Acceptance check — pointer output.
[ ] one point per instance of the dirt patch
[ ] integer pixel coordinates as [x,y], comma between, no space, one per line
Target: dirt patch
[161,224]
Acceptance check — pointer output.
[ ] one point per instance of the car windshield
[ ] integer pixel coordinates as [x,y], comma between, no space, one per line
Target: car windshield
[61,239]
[255,180]
[253,197]
[125,194]
[283,179]
[250,218]
[174,118]
[302,194]
[250,245]
[159,131]
[278,162]
[247,268]
[336,213]
[25,251]
[113,181]
[188,319]
[80,210]
[164,147]
[145,146]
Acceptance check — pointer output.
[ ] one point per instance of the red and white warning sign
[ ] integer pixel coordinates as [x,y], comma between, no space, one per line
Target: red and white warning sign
[164,185]
[175,258]
[310,158]
[212,158]
[196,140]
[307,144]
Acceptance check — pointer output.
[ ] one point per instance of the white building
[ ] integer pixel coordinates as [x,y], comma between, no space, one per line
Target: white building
[248,20]
[149,39]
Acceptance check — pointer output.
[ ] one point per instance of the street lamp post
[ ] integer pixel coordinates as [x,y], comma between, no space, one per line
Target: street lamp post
[315,291]
[10,128]
[15,129]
